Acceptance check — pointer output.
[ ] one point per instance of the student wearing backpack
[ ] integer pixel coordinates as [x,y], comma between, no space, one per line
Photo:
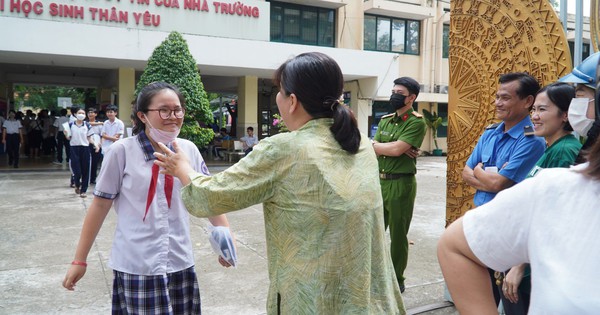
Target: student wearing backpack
[80,139]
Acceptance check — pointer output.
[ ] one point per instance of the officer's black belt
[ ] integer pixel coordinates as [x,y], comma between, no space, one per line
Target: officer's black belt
[394,176]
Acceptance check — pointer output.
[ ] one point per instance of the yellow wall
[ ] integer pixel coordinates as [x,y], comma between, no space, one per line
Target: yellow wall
[247,105]
[6,91]
[126,92]
[350,25]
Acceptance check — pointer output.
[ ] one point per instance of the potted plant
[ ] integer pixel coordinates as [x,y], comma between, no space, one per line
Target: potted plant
[433,121]
[279,124]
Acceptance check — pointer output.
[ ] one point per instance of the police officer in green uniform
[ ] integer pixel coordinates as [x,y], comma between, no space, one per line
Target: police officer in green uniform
[397,141]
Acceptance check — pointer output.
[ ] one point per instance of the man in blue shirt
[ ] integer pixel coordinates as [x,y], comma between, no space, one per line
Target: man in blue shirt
[506,151]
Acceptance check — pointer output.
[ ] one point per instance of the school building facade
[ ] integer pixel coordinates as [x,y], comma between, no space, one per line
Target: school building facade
[105,44]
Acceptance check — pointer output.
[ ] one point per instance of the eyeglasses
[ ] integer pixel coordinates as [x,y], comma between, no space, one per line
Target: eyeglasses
[165,113]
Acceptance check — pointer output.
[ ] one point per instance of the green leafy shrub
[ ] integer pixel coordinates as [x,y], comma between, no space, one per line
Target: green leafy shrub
[173,63]
[433,121]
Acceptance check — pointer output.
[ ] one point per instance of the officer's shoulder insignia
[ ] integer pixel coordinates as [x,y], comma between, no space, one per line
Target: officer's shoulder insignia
[528,131]
[388,115]
[492,126]
[417,114]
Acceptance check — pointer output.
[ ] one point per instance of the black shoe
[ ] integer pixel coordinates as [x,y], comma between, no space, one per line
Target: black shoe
[402,288]
[93,182]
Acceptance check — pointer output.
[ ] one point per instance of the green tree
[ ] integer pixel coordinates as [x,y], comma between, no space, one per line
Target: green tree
[173,63]
[433,121]
[45,97]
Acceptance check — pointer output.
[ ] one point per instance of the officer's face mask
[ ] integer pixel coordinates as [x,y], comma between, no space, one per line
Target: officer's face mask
[397,101]
[578,116]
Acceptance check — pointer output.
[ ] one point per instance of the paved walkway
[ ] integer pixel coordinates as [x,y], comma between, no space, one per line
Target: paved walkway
[42,219]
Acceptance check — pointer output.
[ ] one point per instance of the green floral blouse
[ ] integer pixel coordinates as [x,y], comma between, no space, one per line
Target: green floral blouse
[323,214]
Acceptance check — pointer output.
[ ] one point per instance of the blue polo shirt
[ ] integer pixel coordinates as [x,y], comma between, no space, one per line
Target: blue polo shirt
[513,148]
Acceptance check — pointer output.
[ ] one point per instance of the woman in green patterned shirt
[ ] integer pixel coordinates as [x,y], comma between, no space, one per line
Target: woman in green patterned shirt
[322,202]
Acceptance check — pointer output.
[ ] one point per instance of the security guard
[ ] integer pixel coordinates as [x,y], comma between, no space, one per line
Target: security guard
[506,151]
[397,141]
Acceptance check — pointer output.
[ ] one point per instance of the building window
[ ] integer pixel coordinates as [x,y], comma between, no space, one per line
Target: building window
[390,34]
[446,41]
[585,51]
[304,25]
[442,131]
[379,108]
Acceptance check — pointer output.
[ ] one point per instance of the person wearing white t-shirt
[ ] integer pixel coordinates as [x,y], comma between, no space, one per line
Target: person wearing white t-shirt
[96,156]
[551,221]
[112,130]
[12,137]
[2,119]
[60,137]
[80,140]
[249,141]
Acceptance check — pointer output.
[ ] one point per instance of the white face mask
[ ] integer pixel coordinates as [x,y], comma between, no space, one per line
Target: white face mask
[80,116]
[578,116]
[162,136]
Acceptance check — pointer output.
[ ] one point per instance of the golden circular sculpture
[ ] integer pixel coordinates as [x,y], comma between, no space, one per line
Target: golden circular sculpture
[487,39]
[594,24]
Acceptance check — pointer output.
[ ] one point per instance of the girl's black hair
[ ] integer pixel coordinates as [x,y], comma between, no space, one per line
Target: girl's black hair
[144,99]
[561,94]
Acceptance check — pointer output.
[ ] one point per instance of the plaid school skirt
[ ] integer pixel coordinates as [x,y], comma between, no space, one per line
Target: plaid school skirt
[174,293]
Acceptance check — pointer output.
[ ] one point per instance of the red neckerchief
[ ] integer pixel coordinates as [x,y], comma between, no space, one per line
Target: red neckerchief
[152,189]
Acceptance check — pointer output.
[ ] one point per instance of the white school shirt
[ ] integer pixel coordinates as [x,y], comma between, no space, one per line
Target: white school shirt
[250,140]
[551,221]
[111,129]
[79,134]
[12,126]
[96,133]
[59,122]
[161,244]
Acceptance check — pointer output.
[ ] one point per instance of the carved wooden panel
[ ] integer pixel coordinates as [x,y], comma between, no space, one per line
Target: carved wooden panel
[594,24]
[489,38]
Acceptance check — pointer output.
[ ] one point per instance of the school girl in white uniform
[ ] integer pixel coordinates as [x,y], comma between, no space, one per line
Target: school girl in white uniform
[152,256]
[80,139]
